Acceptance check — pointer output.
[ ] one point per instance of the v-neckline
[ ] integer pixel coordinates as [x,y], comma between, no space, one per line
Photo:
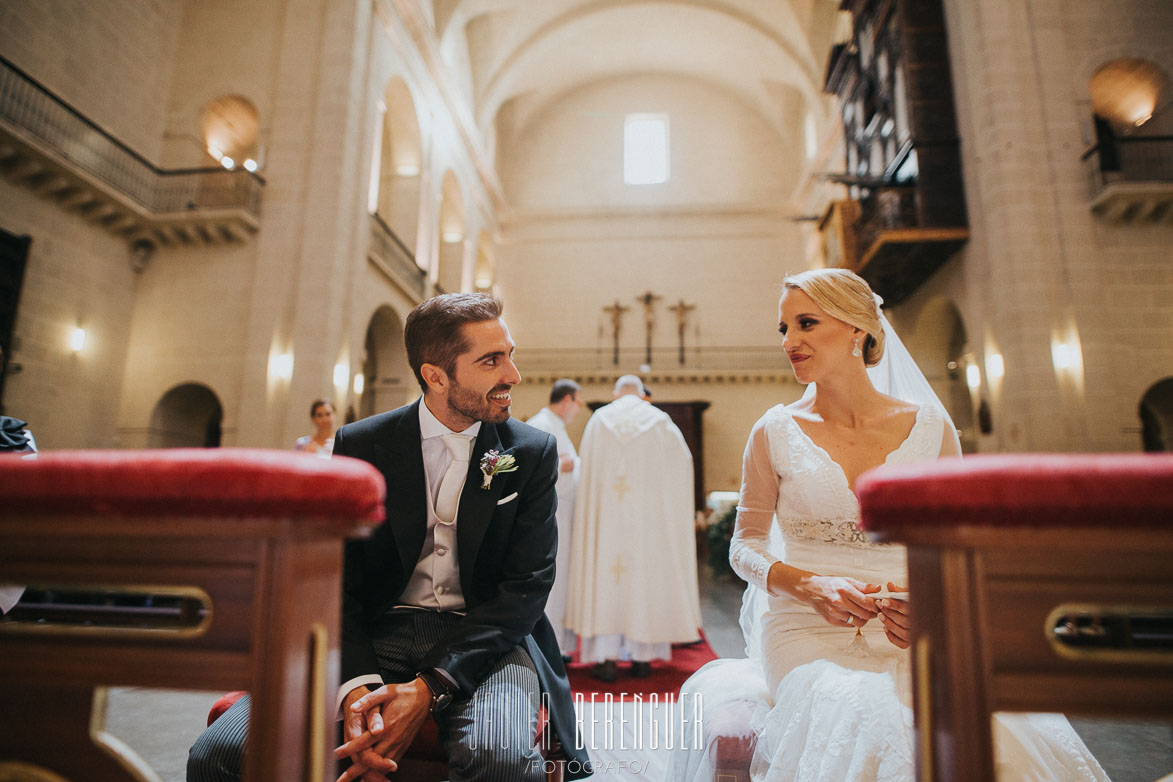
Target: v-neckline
[843,473]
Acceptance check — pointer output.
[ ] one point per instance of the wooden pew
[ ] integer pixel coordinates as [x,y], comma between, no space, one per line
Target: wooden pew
[1038,583]
[242,550]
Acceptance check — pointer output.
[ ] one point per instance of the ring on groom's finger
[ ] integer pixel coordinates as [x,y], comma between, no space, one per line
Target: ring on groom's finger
[851,620]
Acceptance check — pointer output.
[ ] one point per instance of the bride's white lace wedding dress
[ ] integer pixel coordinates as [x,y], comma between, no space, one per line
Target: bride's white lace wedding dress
[828,705]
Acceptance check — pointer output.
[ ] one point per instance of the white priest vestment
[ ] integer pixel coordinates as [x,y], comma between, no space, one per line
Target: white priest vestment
[633,588]
[550,423]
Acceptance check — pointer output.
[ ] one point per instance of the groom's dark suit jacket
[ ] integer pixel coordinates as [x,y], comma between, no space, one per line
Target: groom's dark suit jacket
[506,556]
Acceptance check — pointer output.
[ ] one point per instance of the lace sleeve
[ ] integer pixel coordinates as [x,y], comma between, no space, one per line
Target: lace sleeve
[748,550]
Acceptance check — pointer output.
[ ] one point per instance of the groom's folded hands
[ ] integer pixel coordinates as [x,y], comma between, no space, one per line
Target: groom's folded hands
[379,726]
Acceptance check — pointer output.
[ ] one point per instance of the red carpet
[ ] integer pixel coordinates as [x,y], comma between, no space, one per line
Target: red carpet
[665,679]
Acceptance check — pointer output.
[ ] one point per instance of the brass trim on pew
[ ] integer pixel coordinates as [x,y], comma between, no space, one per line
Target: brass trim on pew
[315,749]
[924,709]
[14,625]
[1155,657]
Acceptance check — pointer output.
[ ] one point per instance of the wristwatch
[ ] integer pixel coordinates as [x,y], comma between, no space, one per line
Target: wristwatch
[442,694]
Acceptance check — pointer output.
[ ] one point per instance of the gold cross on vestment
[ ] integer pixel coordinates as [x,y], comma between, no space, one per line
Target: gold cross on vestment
[621,487]
[618,568]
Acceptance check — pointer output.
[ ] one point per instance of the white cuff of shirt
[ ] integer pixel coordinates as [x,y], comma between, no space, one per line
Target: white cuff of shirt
[366,680]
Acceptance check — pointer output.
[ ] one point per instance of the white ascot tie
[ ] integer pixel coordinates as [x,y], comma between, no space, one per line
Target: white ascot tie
[448,497]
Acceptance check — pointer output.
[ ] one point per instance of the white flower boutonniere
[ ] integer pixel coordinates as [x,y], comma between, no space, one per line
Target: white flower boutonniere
[494,462]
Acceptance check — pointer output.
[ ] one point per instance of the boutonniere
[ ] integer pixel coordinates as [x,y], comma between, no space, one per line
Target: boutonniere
[494,462]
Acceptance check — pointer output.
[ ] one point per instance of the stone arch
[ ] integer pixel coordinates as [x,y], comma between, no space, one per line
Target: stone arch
[230,126]
[1094,61]
[400,166]
[452,234]
[1156,416]
[1126,91]
[388,380]
[942,351]
[187,416]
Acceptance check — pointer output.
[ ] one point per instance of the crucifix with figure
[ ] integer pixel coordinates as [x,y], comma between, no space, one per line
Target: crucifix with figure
[649,300]
[681,309]
[616,311]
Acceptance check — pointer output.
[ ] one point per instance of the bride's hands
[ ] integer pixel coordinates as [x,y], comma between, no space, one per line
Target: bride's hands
[895,618]
[841,601]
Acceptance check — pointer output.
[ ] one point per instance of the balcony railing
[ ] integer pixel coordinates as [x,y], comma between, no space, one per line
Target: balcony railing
[1131,159]
[394,257]
[666,359]
[33,114]
[1131,177]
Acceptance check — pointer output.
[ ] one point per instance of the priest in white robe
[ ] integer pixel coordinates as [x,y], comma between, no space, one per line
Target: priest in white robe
[564,406]
[633,589]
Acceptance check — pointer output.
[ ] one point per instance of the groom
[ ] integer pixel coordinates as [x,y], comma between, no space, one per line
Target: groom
[443,605]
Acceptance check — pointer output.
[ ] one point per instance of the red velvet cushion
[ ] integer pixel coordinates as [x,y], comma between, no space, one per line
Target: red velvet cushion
[1027,490]
[224,703]
[192,482]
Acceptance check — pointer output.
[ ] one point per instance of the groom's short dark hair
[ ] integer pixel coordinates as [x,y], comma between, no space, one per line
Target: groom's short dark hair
[434,331]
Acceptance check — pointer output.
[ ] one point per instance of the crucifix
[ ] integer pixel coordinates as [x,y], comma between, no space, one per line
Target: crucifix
[681,309]
[649,300]
[616,311]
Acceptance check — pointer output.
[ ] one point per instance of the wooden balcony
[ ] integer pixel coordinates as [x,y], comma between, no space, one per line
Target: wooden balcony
[881,238]
[56,152]
[905,214]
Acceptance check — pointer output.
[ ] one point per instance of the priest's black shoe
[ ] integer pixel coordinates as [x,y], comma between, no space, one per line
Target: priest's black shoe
[641,669]
[605,671]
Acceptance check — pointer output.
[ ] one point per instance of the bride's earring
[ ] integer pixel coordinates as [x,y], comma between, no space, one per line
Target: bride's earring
[855,351]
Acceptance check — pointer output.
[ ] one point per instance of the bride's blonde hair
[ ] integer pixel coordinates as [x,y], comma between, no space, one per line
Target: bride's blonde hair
[845,295]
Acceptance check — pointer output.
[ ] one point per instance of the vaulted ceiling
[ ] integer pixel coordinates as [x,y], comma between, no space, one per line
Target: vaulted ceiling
[525,54]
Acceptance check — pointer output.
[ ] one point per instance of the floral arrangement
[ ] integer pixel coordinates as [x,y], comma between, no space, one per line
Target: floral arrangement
[493,463]
[718,534]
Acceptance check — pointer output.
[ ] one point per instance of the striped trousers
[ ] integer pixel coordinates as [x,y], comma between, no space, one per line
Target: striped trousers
[489,737]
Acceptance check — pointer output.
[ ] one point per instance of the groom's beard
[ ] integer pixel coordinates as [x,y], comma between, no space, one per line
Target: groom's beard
[477,407]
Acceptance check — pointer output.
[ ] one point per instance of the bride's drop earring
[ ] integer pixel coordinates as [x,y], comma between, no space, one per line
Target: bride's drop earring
[855,351]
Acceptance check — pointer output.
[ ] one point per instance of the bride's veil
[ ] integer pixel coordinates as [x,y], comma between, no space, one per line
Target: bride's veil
[896,375]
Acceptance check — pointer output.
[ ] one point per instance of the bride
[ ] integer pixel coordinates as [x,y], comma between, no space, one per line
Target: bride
[827,681]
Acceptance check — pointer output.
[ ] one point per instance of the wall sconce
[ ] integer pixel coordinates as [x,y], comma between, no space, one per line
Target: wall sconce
[359,384]
[407,169]
[995,368]
[484,283]
[452,237]
[1064,356]
[283,366]
[341,372]
[973,376]
[77,339]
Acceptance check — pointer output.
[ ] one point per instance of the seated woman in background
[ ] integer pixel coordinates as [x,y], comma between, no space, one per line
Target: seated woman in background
[826,689]
[321,442]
